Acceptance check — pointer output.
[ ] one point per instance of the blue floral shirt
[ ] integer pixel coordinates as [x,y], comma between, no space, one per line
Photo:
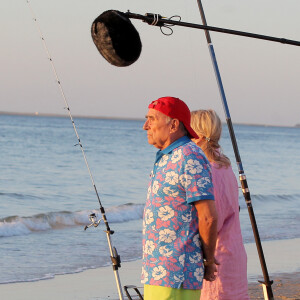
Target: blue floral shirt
[172,255]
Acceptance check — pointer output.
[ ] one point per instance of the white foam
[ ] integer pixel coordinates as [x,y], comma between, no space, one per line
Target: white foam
[125,213]
[13,229]
[15,226]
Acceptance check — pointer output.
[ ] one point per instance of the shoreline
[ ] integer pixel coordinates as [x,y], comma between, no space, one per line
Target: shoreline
[100,284]
[281,256]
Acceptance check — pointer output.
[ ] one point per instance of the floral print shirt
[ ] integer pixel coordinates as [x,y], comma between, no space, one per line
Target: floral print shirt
[172,255]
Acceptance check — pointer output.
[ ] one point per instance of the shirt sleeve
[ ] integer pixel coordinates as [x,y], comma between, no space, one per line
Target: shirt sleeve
[197,176]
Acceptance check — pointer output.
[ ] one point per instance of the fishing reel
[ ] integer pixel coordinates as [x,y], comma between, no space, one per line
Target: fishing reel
[94,221]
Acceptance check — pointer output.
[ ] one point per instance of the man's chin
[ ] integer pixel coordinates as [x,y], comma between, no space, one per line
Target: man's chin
[150,140]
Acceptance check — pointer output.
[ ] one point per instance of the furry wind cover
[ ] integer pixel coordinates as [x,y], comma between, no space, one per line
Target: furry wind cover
[116,38]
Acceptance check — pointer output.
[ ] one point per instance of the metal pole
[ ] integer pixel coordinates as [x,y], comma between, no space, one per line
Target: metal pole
[267,289]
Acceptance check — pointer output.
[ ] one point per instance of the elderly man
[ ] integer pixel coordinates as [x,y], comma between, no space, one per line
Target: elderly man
[180,219]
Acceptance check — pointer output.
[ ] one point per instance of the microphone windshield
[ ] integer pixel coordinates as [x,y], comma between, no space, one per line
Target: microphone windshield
[116,38]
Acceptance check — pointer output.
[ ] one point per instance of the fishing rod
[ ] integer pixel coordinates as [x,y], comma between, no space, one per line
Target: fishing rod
[115,258]
[267,284]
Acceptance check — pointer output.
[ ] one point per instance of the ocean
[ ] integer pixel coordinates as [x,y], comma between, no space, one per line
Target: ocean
[46,195]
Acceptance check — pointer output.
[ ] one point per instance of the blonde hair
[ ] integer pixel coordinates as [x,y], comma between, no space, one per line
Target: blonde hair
[207,124]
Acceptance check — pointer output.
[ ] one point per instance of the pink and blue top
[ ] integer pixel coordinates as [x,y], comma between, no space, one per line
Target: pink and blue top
[172,255]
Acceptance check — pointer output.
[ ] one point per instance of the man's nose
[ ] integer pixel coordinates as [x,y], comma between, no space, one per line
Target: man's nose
[146,126]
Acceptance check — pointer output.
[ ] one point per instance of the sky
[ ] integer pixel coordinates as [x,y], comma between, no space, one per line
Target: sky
[260,78]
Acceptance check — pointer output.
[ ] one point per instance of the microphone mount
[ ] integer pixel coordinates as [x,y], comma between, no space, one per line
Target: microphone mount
[154,19]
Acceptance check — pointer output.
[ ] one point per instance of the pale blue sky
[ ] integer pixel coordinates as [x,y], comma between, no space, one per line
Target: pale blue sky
[261,79]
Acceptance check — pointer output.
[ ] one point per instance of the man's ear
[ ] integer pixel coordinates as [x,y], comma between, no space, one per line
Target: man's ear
[174,125]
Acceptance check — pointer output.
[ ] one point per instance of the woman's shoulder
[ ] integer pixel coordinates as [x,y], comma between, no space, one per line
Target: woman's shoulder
[218,166]
[221,170]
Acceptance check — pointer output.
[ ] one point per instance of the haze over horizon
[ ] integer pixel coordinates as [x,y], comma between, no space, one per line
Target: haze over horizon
[261,78]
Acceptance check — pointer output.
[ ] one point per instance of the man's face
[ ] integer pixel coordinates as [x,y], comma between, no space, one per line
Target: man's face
[158,129]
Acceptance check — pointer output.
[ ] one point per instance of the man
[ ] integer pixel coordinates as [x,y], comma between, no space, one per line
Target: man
[179,207]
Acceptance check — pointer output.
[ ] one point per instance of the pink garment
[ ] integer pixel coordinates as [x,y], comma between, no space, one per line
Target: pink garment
[231,282]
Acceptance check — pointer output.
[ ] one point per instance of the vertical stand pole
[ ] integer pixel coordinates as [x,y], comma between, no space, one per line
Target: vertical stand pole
[267,288]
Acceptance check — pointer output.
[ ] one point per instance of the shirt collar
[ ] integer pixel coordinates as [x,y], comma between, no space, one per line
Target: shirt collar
[183,140]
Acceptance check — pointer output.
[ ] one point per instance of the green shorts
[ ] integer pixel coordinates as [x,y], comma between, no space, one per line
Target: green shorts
[153,292]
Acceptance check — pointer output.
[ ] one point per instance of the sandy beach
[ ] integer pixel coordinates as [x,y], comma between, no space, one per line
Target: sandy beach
[285,286]
[100,283]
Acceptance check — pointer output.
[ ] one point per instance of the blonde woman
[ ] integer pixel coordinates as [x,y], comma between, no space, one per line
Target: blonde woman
[231,280]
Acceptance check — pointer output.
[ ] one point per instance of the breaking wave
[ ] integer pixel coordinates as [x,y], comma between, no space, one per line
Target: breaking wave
[17,225]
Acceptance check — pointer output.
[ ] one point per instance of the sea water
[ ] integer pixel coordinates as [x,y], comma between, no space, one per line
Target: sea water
[46,192]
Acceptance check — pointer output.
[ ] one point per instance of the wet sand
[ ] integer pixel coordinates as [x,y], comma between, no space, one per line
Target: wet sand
[285,286]
[100,284]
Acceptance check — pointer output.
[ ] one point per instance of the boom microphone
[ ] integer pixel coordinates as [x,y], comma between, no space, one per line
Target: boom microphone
[116,38]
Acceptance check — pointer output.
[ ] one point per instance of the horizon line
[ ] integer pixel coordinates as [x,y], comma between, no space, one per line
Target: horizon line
[37,114]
